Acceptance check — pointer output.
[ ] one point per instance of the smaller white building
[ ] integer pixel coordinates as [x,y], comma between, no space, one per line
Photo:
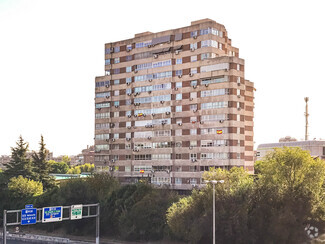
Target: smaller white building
[315,147]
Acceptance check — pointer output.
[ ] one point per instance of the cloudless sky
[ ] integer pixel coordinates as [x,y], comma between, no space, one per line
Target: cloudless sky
[52,50]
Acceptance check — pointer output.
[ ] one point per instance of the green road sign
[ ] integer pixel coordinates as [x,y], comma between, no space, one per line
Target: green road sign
[76,212]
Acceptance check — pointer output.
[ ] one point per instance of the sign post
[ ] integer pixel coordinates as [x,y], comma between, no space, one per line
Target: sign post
[76,212]
[28,215]
[52,214]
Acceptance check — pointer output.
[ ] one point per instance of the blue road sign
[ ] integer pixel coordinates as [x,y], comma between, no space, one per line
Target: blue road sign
[28,216]
[52,214]
[29,206]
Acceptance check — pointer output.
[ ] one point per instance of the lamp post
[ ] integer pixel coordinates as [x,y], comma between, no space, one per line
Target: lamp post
[214,182]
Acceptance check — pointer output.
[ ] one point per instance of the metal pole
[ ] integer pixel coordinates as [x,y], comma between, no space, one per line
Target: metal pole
[97,224]
[4,227]
[214,214]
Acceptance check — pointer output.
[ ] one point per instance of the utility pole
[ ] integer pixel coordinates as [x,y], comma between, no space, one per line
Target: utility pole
[306,115]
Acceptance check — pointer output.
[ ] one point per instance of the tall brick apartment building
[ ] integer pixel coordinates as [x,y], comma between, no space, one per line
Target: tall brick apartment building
[171,105]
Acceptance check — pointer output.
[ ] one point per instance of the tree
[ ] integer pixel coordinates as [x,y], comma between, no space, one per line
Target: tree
[42,166]
[74,170]
[19,163]
[22,187]
[66,159]
[58,167]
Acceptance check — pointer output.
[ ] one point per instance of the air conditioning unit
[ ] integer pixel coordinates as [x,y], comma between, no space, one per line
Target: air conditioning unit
[191,74]
[221,121]
[155,56]
[179,76]
[129,94]
[129,127]
[149,92]
[138,93]
[193,160]
[107,86]
[150,80]
[99,108]
[194,87]
[134,127]
[153,114]
[116,106]
[194,37]
[238,108]
[192,49]
[146,126]
[177,52]
[163,122]
[128,139]
[135,150]
[201,122]
[135,115]
[176,88]
[162,102]
[111,125]
[107,97]
[129,115]
[191,98]
[190,147]
[107,140]
[128,50]
[149,46]
[144,115]
[113,139]
[238,96]
[168,113]
[238,83]
[180,124]
[135,71]
[195,110]
[149,137]
[113,160]
[128,83]
[206,85]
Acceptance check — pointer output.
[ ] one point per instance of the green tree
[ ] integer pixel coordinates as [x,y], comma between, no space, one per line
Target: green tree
[58,167]
[42,166]
[87,167]
[66,159]
[19,164]
[74,170]
[22,187]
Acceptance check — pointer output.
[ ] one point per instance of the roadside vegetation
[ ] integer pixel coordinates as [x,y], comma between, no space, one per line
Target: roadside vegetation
[274,206]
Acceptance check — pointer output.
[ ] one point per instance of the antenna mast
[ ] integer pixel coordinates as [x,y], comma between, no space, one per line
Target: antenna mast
[306,115]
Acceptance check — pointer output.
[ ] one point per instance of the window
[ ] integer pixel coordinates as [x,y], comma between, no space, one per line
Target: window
[178,84]
[209,43]
[116,136]
[128,123]
[178,108]
[127,113]
[116,146]
[193,156]
[179,61]
[102,115]
[193,143]
[193,95]
[127,146]
[179,96]
[216,92]
[193,120]
[128,157]
[193,33]
[193,181]
[107,61]
[193,132]
[238,66]
[102,105]
[194,83]
[117,103]
[128,80]
[178,132]
[179,72]
[208,55]
[178,144]
[214,80]
[116,71]
[214,105]
[116,60]
[220,46]
[116,114]
[128,69]
[193,70]
[178,181]
[129,47]
[116,82]
[128,58]
[116,49]
[128,168]
[107,72]
[128,135]
[117,93]
[192,169]
[101,147]
[102,137]
[179,156]
[238,155]
[193,107]
[193,45]
[194,58]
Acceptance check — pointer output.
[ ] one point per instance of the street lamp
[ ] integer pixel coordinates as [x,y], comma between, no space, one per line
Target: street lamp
[214,182]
